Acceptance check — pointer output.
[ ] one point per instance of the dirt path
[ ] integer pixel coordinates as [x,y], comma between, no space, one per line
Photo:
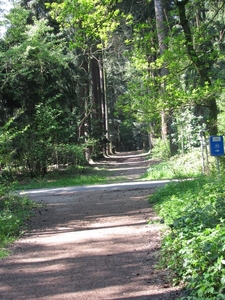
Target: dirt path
[90,245]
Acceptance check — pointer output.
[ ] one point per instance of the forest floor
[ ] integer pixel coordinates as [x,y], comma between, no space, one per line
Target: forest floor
[94,245]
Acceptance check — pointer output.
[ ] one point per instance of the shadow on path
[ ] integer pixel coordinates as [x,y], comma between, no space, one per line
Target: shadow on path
[88,245]
[127,165]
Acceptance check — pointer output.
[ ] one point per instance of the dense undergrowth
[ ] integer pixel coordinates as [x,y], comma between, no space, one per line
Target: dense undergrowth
[193,248]
[14,213]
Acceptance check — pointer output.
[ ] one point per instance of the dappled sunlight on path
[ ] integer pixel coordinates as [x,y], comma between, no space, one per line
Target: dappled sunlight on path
[88,244]
[127,165]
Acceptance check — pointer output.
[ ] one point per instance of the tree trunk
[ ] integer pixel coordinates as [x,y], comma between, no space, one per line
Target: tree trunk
[83,95]
[200,65]
[104,108]
[98,112]
[84,104]
[162,31]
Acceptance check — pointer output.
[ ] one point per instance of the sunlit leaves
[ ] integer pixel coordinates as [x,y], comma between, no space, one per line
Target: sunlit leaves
[16,22]
[92,21]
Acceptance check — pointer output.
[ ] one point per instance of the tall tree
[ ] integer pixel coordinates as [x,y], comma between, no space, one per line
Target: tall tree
[92,23]
[200,62]
[162,33]
[38,93]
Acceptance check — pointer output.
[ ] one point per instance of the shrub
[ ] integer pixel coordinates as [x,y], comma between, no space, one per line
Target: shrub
[194,247]
[14,211]
[161,149]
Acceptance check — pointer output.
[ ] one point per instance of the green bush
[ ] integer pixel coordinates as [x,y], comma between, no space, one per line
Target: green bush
[194,247]
[161,149]
[14,211]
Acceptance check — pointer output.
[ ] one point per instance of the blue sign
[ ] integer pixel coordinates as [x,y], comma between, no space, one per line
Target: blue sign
[216,145]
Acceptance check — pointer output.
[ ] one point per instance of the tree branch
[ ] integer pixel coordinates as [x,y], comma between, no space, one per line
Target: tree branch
[199,65]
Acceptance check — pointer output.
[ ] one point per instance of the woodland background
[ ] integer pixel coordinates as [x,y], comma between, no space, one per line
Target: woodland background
[84,78]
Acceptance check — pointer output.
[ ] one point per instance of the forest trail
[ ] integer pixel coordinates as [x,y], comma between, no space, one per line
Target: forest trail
[90,245]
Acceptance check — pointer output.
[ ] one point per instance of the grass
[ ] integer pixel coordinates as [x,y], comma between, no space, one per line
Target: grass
[177,167]
[68,177]
[185,166]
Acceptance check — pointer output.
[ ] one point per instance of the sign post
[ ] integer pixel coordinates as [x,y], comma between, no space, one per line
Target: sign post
[216,147]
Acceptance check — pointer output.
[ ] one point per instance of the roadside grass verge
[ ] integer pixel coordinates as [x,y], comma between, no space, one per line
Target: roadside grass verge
[65,178]
[15,211]
[193,248]
[177,167]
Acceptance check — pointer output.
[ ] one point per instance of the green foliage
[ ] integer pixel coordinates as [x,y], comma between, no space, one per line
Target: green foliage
[40,115]
[194,248]
[160,149]
[183,86]
[221,115]
[188,127]
[14,212]
[51,83]
[179,166]
[93,21]
[7,133]
[16,22]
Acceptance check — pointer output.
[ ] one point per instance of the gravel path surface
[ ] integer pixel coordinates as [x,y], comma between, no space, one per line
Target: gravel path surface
[90,245]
